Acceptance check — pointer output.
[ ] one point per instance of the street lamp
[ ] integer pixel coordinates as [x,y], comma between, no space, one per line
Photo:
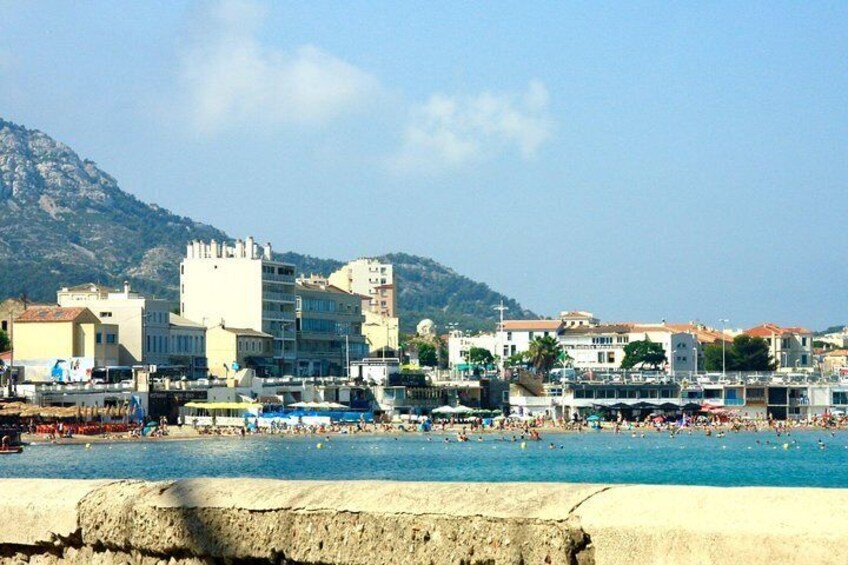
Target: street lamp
[724,322]
[501,308]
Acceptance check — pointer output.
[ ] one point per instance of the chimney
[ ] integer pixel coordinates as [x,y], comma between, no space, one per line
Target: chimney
[268,251]
[126,288]
[239,249]
[190,250]
[214,250]
[250,247]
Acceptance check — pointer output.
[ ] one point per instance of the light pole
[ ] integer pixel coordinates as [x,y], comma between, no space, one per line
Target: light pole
[695,355]
[724,322]
[501,308]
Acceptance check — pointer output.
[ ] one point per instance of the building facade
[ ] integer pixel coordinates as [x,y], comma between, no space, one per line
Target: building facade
[329,329]
[516,335]
[790,348]
[241,286]
[374,282]
[63,344]
[187,346]
[459,346]
[228,350]
[144,323]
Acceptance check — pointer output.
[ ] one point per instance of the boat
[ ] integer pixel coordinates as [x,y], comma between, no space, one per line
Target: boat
[11,450]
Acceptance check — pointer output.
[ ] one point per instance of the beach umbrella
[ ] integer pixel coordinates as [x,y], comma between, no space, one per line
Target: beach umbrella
[460,409]
[593,418]
[299,404]
[443,410]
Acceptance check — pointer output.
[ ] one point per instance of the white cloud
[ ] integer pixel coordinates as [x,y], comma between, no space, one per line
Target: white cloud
[231,78]
[449,132]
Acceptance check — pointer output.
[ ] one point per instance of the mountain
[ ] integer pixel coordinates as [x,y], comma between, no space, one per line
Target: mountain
[63,221]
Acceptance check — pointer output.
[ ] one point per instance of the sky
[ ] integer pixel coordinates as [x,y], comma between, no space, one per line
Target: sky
[640,160]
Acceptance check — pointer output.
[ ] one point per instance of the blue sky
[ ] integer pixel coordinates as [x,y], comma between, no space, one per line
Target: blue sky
[644,161]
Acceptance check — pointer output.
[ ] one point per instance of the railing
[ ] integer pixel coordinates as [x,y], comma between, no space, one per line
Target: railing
[734,402]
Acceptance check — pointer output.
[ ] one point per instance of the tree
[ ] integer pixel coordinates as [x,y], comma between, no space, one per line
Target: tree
[751,354]
[516,360]
[480,356]
[544,352]
[746,353]
[643,352]
[427,355]
[5,344]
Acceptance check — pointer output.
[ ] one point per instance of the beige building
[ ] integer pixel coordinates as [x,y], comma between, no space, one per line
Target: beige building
[241,286]
[790,348]
[143,322]
[231,349]
[54,343]
[329,328]
[374,281]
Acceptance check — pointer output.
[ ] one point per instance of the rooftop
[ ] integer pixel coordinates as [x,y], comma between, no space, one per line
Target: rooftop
[532,325]
[51,314]
[769,330]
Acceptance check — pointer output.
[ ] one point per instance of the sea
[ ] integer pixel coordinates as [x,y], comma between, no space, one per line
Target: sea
[799,459]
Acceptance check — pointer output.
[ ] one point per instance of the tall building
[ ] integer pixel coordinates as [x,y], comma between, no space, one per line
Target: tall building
[374,281]
[241,286]
[329,328]
[371,278]
[143,322]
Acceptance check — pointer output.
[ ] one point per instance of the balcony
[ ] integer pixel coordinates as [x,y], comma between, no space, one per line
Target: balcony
[278,296]
[734,402]
[278,278]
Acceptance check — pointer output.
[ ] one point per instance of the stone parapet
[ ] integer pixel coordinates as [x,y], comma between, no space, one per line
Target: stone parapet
[240,521]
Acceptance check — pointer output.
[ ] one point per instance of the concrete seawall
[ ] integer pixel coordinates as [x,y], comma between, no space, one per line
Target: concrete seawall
[249,521]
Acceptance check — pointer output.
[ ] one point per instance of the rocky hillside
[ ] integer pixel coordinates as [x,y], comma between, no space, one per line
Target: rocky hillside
[63,221]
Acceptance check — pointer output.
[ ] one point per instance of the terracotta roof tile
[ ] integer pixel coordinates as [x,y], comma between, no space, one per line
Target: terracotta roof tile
[51,314]
[532,325]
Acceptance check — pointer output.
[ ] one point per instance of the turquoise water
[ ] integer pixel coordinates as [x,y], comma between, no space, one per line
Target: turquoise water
[735,460]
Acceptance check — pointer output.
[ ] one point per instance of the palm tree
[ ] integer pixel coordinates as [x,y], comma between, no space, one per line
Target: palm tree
[544,353]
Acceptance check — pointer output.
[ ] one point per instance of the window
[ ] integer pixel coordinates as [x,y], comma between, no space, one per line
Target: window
[509,336]
[600,356]
[610,357]
[111,339]
[840,397]
[804,341]
[785,343]
[530,336]
[804,359]
[98,338]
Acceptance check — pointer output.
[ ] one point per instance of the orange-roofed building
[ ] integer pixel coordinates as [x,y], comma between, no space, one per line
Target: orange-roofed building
[68,341]
[790,347]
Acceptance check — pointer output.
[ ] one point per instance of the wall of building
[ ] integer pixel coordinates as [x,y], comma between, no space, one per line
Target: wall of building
[243,520]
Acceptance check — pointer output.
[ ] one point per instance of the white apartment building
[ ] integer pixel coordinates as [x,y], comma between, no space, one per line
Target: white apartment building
[371,278]
[241,286]
[459,345]
[374,282]
[602,347]
[790,348]
[143,323]
[516,335]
